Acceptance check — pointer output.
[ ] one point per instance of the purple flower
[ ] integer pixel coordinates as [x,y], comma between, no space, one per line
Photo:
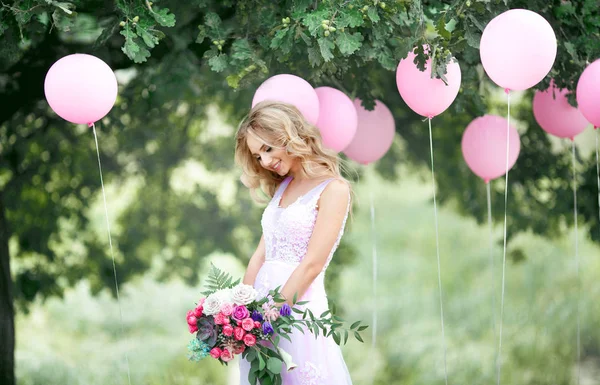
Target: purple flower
[256,316]
[240,312]
[285,310]
[267,328]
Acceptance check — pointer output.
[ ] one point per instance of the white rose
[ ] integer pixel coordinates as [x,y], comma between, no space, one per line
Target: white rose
[243,294]
[213,303]
[226,295]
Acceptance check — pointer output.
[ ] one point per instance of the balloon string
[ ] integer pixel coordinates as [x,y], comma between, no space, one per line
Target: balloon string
[499,357]
[577,266]
[489,207]
[598,172]
[437,249]
[374,259]
[111,247]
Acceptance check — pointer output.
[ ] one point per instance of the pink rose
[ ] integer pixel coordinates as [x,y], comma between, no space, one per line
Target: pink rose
[248,324]
[226,356]
[191,320]
[249,339]
[239,349]
[192,328]
[228,330]
[256,325]
[226,320]
[198,311]
[219,319]
[238,333]
[240,312]
[227,309]
[215,353]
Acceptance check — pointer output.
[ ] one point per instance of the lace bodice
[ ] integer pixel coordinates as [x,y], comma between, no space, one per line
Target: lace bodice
[287,231]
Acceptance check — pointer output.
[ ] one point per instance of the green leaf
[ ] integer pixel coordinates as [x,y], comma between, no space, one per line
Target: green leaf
[476,22]
[358,337]
[336,337]
[325,313]
[201,34]
[345,336]
[106,34]
[441,29]
[360,329]
[261,362]
[295,299]
[349,18]
[312,21]
[212,20]
[473,38]
[326,46]
[274,365]
[314,57]
[373,15]
[164,18]
[241,50]
[62,21]
[349,43]
[354,325]
[131,48]
[282,40]
[149,39]
[65,7]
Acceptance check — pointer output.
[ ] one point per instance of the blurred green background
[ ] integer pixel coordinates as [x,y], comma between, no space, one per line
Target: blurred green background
[76,340]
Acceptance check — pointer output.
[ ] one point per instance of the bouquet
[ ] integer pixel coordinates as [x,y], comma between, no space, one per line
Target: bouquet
[230,320]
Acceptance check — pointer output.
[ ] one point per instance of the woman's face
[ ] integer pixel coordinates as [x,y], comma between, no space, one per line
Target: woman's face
[271,158]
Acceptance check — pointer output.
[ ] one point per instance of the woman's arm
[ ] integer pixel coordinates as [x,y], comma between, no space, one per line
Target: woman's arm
[256,262]
[332,210]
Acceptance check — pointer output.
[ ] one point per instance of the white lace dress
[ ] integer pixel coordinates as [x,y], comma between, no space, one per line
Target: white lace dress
[287,232]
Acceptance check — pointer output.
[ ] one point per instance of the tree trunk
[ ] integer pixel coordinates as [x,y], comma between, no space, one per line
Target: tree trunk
[7,316]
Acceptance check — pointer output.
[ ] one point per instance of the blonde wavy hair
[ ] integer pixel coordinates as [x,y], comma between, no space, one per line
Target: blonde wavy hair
[282,126]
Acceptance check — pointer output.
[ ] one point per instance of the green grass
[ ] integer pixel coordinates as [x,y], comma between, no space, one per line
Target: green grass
[77,340]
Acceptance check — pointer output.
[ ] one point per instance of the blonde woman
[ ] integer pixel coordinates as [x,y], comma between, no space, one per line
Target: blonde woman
[282,156]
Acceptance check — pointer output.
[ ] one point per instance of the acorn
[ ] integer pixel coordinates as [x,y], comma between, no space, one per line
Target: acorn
[122,24]
[326,33]
[136,19]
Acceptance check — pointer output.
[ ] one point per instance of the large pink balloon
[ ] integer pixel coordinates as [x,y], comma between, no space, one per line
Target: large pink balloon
[517,49]
[81,88]
[290,89]
[555,115]
[337,118]
[588,93]
[484,146]
[426,96]
[374,135]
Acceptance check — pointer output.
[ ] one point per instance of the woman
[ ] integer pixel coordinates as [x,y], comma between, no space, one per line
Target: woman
[282,154]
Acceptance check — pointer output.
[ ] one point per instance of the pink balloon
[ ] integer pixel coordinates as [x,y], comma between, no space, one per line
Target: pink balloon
[81,88]
[588,93]
[337,118]
[517,49]
[374,135]
[290,89]
[555,115]
[484,146]
[426,96]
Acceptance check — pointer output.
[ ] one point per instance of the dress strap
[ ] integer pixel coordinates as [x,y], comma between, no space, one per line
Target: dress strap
[282,186]
[315,193]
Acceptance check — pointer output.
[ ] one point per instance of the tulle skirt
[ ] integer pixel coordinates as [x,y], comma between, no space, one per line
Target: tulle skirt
[319,360]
